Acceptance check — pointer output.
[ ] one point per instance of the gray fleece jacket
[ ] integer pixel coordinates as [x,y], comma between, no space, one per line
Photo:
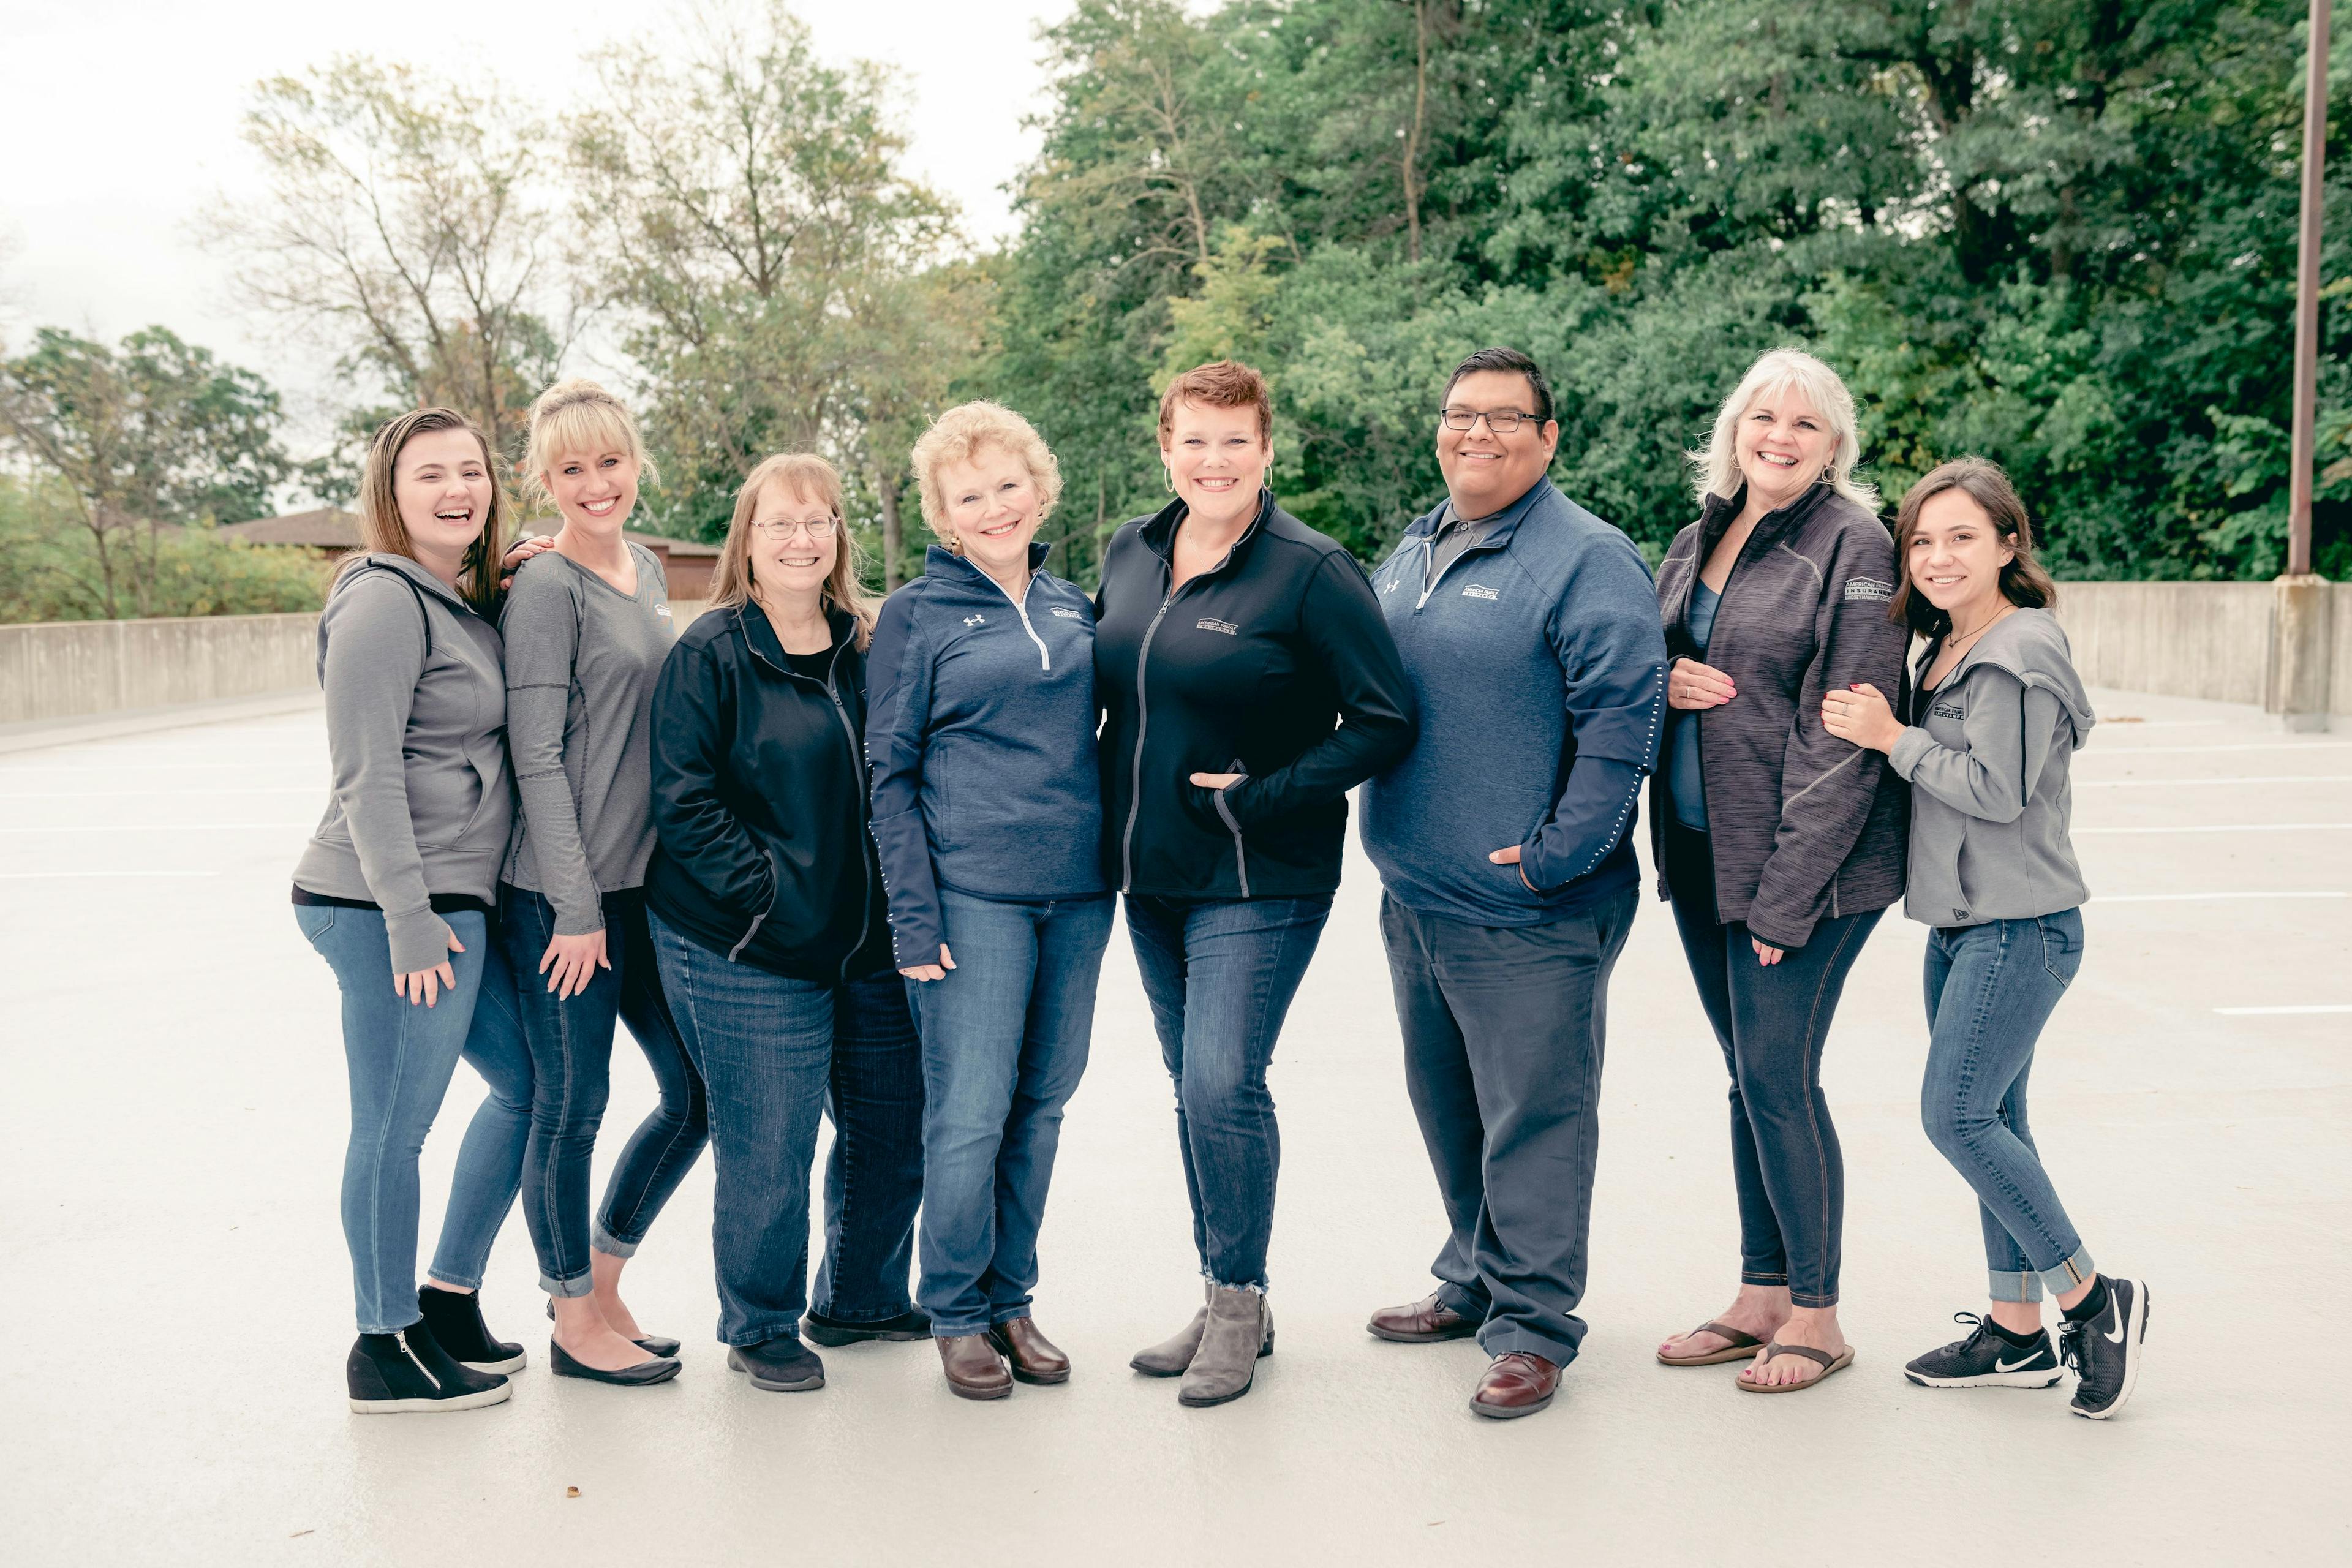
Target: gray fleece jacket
[1986,758]
[422,801]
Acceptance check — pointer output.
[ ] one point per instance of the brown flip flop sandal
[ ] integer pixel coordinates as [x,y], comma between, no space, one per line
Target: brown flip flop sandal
[1828,1365]
[1741,1348]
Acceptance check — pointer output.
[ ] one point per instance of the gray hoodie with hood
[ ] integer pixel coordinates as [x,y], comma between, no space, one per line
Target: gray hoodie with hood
[417,735]
[1986,758]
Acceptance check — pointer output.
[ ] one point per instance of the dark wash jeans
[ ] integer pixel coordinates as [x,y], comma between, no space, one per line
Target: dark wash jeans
[1990,988]
[1005,1033]
[401,1057]
[1220,975]
[1504,1033]
[1772,1021]
[774,1054]
[572,1059]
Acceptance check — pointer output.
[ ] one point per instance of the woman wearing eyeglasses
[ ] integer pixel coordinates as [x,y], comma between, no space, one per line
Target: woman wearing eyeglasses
[766,905]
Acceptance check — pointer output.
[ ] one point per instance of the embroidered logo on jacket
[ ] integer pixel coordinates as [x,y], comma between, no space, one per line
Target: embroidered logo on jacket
[975,620]
[1868,588]
[663,611]
[1209,624]
[1068,615]
[1948,710]
[1475,590]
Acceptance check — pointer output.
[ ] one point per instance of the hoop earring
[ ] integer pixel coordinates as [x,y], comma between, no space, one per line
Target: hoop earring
[1169,476]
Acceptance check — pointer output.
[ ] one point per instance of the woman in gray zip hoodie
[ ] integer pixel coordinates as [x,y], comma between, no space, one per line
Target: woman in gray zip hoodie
[1995,714]
[396,892]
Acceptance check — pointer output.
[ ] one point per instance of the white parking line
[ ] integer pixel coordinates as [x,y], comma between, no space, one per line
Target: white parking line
[2200,898]
[2282,1012]
[2231,827]
[2183,784]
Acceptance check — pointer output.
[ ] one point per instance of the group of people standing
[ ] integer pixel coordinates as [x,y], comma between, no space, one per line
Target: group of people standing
[829,859]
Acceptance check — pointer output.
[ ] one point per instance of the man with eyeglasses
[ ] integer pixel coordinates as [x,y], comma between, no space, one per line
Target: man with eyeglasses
[1530,629]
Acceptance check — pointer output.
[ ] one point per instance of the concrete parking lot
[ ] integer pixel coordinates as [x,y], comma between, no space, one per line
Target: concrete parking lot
[177,1303]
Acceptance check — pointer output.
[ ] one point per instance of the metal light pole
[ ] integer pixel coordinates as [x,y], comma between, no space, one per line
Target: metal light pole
[2301,632]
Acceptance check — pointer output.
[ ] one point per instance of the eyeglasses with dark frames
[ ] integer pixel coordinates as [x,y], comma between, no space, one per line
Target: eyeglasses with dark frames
[1502,421]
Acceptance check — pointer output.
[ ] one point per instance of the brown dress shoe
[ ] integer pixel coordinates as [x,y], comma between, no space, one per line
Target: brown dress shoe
[1422,1323]
[1516,1385]
[974,1369]
[1034,1357]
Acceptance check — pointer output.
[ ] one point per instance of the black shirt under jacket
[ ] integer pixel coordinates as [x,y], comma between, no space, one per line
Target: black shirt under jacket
[760,802]
[1275,664]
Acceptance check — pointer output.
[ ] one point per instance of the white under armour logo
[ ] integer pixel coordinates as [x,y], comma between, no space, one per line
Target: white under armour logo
[974,620]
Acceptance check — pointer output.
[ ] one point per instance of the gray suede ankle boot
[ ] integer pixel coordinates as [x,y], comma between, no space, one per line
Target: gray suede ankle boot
[1169,1358]
[1239,1330]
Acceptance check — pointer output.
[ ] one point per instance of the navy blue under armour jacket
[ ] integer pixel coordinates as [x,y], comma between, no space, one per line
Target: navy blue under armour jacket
[1539,666]
[979,729]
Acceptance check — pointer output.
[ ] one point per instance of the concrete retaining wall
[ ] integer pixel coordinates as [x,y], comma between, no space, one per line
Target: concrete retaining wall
[63,669]
[2175,639]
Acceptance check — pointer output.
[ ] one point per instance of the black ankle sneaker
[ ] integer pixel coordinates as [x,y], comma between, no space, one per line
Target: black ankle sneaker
[914,1323]
[456,1319]
[1985,1359]
[405,1371]
[2104,1352]
[780,1365]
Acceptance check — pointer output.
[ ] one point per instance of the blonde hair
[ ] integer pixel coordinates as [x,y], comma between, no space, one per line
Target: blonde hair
[963,430]
[381,528]
[808,478]
[578,416]
[1778,371]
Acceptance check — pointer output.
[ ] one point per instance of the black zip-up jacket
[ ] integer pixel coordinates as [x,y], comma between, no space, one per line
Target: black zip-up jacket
[1803,826]
[760,802]
[1275,664]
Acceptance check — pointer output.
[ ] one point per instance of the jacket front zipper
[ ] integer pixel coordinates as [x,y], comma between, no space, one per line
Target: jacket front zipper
[857,765]
[1429,548]
[1240,862]
[1142,726]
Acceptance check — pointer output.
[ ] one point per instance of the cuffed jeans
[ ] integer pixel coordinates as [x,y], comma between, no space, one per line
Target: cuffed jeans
[401,1056]
[1220,975]
[1504,1029]
[775,1053]
[1772,1021]
[1990,988]
[571,1057]
[1004,1042]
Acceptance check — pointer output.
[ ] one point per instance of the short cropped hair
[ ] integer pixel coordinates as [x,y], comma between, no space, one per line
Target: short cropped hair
[574,416]
[1776,373]
[2023,581]
[1226,384]
[963,430]
[1511,361]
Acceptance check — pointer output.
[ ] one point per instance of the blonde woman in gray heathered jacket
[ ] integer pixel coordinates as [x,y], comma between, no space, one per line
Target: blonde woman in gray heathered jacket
[1995,713]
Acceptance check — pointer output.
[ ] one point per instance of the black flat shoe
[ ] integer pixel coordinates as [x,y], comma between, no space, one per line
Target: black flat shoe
[661,1369]
[914,1323]
[652,1344]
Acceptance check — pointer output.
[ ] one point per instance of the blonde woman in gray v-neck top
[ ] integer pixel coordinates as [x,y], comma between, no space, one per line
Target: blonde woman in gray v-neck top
[587,627]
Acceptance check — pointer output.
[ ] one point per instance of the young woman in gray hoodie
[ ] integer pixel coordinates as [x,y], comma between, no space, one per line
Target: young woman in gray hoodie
[1995,713]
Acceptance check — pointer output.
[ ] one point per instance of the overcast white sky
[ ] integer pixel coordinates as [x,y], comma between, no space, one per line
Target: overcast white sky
[119,119]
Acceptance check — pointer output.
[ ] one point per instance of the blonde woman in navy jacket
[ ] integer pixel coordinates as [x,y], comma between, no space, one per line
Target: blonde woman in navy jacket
[988,815]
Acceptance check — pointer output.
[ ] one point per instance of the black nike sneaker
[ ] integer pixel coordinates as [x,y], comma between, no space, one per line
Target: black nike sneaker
[1985,1359]
[2105,1352]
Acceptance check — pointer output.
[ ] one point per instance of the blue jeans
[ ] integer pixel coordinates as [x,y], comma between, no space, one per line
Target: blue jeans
[1773,1021]
[1004,1041]
[401,1056]
[1220,975]
[572,1056]
[774,1054]
[1990,988]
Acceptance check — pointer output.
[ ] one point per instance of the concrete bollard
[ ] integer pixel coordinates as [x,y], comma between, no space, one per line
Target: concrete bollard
[2302,652]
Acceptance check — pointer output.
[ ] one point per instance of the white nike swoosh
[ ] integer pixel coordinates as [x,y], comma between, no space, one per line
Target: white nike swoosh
[2117,1337]
[2000,1365]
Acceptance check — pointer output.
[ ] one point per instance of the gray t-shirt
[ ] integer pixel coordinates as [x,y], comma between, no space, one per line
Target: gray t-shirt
[581,661]
[1455,535]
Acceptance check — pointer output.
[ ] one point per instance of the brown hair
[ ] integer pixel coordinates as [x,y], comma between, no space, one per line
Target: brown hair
[381,528]
[578,416]
[808,478]
[2023,581]
[1227,383]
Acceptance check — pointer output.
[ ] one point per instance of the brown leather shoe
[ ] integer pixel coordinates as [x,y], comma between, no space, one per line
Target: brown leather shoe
[1516,1385]
[1422,1323]
[974,1369]
[1034,1357]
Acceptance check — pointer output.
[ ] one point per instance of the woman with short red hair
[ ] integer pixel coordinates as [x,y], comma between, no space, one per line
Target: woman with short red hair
[1249,682]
